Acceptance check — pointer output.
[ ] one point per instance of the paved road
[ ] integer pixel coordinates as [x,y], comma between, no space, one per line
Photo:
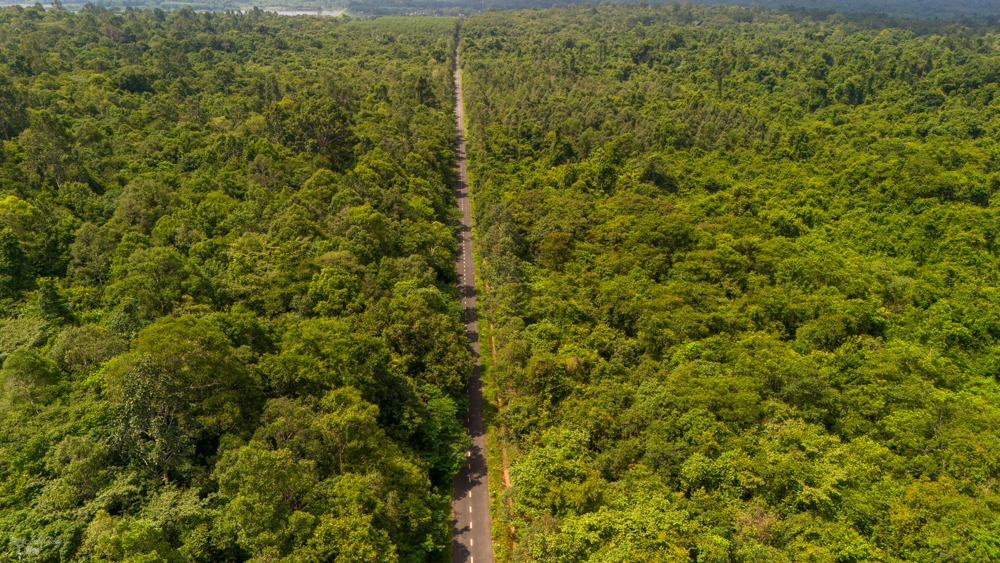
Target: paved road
[470,493]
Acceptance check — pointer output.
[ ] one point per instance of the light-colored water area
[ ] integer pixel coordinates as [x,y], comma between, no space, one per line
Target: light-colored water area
[331,12]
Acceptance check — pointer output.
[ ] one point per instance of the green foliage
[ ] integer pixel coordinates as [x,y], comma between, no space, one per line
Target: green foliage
[29,377]
[299,479]
[13,265]
[226,247]
[179,387]
[740,268]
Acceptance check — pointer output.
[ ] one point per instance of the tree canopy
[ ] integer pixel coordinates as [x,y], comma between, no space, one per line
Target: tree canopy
[740,273]
[228,326]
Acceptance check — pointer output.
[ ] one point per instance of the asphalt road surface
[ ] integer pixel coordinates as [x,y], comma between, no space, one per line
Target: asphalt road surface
[470,493]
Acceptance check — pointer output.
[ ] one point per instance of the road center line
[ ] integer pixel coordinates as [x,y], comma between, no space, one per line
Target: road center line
[466,282]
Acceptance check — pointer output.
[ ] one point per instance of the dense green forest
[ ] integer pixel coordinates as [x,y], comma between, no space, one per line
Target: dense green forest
[739,282]
[899,8]
[905,8]
[228,327]
[741,274]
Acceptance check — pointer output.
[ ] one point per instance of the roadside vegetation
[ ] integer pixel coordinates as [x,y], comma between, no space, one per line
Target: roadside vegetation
[741,268]
[228,327]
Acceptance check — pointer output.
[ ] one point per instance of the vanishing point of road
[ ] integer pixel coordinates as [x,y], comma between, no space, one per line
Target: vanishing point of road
[470,493]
